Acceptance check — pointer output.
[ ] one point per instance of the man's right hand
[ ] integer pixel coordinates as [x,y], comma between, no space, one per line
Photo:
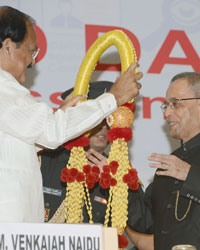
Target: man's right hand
[126,86]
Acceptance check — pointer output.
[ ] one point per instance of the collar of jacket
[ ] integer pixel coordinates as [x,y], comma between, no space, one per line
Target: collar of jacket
[192,143]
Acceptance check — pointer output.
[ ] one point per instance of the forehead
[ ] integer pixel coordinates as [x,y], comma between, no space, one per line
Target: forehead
[179,89]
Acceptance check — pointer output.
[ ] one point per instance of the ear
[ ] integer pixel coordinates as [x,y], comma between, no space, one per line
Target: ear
[8,45]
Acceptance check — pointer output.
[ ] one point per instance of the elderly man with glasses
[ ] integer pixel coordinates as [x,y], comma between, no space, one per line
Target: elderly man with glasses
[175,191]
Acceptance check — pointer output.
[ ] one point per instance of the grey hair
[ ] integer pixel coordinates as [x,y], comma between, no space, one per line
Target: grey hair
[193,80]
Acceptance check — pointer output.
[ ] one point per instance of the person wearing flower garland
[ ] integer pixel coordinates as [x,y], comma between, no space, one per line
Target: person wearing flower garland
[54,161]
[25,122]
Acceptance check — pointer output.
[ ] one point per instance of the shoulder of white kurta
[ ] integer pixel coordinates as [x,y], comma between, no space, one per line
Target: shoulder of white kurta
[9,86]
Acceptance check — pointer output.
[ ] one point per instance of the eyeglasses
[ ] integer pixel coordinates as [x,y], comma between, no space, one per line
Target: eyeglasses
[35,54]
[174,102]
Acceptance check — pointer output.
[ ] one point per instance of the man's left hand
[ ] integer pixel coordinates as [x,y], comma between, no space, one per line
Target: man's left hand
[70,101]
[170,165]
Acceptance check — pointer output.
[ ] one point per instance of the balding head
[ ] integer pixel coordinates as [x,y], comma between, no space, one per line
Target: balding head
[193,80]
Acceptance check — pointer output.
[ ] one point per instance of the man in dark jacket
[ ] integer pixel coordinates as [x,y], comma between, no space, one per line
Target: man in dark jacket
[175,191]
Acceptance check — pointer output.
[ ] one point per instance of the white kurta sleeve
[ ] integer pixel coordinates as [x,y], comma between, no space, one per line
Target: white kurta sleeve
[35,122]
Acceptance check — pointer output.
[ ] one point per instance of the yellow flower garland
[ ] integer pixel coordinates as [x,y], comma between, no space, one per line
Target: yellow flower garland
[114,37]
[75,190]
[118,199]
[118,207]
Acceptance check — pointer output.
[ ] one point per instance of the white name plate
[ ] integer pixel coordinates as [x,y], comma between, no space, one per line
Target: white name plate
[33,236]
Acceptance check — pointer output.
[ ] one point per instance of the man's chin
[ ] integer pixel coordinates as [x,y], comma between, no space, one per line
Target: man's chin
[22,79]
[99,148]
[22,82]
[173,134]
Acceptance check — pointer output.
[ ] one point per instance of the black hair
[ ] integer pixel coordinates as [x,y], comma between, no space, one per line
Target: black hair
[13,24]
[193,80]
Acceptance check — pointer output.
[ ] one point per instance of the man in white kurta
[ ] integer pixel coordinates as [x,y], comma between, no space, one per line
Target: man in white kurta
[24,122]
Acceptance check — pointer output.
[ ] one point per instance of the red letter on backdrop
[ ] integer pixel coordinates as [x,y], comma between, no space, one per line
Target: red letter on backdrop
[91,34]
[163,57]
[35,94]
[147,105]
[55,98]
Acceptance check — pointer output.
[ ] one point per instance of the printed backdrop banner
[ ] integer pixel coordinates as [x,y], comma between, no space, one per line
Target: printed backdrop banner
[166,36]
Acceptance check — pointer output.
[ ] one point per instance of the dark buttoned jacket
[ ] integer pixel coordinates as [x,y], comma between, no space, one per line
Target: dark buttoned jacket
[185,229]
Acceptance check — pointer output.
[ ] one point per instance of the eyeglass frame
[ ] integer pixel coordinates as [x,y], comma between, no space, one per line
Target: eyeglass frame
[165,105]
[35,54]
